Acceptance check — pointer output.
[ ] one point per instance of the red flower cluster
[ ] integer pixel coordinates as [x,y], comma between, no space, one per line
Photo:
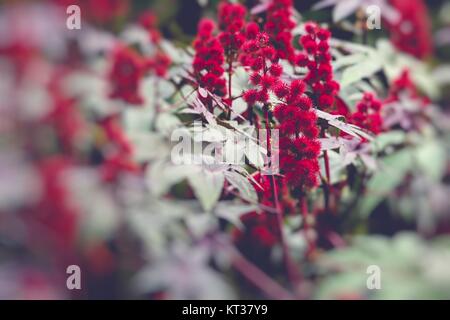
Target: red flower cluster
[279,25]
[149,22]
[368,115]
[128,69]
[231,21]
[260,230]
[55,209]
[262,59]
[160,62]
[412,33]
[299,147]
[119,158]
[126,73]
[403,90]
[209,58]
[404,85]
[317,58]
[64,116]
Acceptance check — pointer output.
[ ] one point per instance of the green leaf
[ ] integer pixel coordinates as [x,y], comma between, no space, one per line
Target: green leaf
[161,176]
[345,61]
[148,146]
[347,128]
[232,212]
[241,183]
[345,8]
[385,139]
[207,186]
[393,169]
[166,123]
[255,154]
[361,70]
[431,158]
[336,165]
[410,268]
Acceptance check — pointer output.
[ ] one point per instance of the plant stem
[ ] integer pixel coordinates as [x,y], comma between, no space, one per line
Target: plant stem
[230,73]
[254,274]
[305,215]
[327,166]
[291,268]
[258,278]
[336,240]
[327,184]
[157,106]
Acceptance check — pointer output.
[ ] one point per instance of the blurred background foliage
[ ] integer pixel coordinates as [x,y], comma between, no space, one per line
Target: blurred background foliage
[402,228]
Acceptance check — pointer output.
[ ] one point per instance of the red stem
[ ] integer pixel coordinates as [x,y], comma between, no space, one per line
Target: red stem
[230,73]
[259,279]
[327,188]
[327,167]
[292,270]
[305,215]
